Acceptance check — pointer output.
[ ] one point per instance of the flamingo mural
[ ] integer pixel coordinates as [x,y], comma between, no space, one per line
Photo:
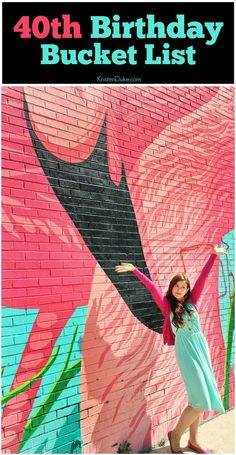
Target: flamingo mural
[137,161]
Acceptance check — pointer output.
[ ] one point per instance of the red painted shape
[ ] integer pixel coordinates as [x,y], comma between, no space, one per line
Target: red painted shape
[134,118]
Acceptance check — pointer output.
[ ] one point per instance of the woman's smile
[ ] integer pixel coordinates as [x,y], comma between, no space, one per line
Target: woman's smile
[179,289]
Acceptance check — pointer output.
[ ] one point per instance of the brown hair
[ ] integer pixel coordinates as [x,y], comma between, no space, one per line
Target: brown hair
[178,308]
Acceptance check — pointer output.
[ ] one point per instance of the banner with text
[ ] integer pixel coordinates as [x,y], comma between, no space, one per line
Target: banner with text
[118,43]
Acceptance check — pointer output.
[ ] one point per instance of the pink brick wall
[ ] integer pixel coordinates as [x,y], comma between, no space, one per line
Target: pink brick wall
[176,147]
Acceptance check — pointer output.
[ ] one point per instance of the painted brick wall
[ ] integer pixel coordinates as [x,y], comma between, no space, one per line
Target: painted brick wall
[91,177]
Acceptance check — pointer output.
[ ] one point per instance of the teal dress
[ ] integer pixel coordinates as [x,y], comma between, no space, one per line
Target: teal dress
[193,358]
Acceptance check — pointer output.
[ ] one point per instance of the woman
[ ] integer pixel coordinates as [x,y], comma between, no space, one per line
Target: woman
[182,328]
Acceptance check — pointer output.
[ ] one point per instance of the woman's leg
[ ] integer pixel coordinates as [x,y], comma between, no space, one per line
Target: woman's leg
[193,431]
[188,416]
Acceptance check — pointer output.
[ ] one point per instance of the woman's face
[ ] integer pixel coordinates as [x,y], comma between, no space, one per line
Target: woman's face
[179,290]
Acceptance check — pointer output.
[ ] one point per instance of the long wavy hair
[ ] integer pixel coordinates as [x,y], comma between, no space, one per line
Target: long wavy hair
[178,307]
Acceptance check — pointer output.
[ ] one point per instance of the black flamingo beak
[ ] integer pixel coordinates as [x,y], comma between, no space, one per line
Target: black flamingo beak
[104,215]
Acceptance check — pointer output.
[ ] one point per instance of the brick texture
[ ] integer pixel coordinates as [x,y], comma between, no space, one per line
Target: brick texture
[93,176]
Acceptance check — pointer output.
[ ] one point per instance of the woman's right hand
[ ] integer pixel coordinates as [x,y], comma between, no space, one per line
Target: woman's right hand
[219,250]
[124,267]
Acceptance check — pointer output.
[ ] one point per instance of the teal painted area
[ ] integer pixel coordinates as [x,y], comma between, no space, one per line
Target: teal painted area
[226,284]
[16,327]
[60,430]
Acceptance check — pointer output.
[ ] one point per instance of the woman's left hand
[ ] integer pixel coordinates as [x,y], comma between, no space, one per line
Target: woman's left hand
[219,250]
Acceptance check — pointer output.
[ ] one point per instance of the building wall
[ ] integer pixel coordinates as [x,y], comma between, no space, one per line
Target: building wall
[93,176]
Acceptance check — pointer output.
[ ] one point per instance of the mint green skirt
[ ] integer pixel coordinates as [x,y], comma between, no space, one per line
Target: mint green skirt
[194,361]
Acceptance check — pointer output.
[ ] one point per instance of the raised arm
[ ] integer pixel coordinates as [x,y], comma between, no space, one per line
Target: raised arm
[199,285]
[154,290]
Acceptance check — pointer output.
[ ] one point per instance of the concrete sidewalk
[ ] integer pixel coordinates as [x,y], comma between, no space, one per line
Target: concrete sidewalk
[216,434]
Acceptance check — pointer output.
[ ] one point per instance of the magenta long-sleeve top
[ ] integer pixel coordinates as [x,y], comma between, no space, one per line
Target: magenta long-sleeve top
[164,304]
